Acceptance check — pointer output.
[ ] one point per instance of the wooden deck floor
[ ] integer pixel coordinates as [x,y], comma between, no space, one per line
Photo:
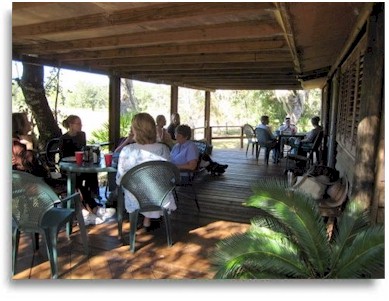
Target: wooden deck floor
[194,232]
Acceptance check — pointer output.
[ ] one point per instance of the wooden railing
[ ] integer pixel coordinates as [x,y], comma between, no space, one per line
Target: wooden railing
[219,132]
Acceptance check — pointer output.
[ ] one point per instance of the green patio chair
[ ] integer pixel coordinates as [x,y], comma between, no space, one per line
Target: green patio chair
[37,209]
[150,182]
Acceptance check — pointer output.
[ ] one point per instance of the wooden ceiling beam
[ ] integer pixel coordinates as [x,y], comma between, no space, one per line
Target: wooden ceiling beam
[200,67]
[140,16]
[220,32]
[268,57]
[182,50]
[223,76]
[264,72]
[283,16]
[231,86]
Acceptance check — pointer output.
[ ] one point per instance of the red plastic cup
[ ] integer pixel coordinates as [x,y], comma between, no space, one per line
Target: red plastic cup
[108,159]
[79,157]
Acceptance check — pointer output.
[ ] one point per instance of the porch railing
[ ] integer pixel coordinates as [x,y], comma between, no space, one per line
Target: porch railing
[219,133]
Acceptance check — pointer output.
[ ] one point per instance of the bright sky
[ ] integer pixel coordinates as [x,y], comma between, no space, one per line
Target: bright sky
[68,77]
[71,77]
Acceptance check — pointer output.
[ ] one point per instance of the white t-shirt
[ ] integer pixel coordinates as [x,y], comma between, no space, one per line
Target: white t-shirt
[135,154]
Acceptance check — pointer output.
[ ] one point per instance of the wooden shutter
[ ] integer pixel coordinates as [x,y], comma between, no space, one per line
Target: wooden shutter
[350,98]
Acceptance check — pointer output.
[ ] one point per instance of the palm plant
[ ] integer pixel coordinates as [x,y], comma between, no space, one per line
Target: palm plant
[290,241]
[101,135]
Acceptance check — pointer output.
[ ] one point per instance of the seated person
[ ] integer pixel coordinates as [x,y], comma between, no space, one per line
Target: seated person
[186,155]
[162,134]
[146,148]
[174,123]
[26,160]
[70,142]
[267,139]
[298,145]
[21,130]
[286,127]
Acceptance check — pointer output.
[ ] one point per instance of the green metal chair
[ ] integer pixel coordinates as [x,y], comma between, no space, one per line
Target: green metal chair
[37,209]
[150,182]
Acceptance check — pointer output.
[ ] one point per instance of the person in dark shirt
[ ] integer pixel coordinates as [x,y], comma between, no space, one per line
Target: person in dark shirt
[27,160]
[70,142]
[298,144]
[174,123]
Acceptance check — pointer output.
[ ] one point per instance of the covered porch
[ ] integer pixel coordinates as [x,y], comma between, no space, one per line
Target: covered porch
[338,47]
[348,66]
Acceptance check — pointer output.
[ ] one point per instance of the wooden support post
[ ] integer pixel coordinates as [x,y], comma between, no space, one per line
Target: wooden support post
[114,110]
[207,114]
[173,100]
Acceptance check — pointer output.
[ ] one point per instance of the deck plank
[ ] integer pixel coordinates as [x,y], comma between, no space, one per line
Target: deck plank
[195,233]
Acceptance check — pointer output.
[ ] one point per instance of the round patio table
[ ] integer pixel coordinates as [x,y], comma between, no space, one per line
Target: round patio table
[69,165]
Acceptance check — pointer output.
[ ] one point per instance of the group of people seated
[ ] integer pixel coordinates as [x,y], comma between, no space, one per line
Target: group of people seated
[147,140]
[25,157]
[271,139]
[144,143]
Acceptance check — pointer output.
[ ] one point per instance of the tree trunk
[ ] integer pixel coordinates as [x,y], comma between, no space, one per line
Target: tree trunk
[293,102]
[35,96]
[129,101]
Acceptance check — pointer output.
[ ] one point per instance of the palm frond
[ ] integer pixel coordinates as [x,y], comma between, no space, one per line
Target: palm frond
[256,253]
[271,223]
[298,215]
[365,253]
[354,220]
[288,240]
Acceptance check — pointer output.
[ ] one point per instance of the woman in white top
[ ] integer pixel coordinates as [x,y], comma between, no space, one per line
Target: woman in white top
[145,148]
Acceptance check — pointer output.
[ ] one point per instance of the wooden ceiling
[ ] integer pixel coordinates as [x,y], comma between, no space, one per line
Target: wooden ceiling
[231,45]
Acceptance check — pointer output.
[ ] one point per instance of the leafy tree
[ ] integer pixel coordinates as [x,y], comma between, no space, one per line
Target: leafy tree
[87,95]
[228,107]
[152,98]
[240,107]
[271,106]
[191,106]
[18,101]
[290,241]
[54,91]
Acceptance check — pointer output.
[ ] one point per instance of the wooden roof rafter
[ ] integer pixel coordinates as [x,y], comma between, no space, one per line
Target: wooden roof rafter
[185,42]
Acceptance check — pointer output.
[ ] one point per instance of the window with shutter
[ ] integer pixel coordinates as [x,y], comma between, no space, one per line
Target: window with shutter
[350,98]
